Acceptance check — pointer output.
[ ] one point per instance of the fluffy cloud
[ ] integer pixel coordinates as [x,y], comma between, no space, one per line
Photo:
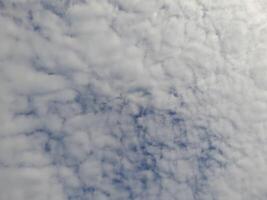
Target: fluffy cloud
[115,99]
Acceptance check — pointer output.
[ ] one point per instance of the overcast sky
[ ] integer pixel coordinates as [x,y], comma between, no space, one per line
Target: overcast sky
[133,100]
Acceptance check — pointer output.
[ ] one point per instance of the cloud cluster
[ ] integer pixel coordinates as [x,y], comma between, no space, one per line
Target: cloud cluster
[131,99]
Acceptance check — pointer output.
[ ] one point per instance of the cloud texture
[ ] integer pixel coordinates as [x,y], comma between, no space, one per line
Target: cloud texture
[133,100]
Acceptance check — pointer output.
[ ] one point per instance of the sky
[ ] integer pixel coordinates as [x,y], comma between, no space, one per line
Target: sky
[133,100]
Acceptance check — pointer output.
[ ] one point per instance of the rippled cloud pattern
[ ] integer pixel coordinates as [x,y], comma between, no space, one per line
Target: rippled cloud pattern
[133,100]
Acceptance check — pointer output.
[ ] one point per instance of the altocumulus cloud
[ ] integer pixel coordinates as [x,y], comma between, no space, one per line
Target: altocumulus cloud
[133,100]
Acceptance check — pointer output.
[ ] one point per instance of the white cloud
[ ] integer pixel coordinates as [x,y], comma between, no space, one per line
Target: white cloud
[115,99]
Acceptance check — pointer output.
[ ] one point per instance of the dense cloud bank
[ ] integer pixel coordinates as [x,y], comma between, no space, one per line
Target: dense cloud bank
[133,100]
